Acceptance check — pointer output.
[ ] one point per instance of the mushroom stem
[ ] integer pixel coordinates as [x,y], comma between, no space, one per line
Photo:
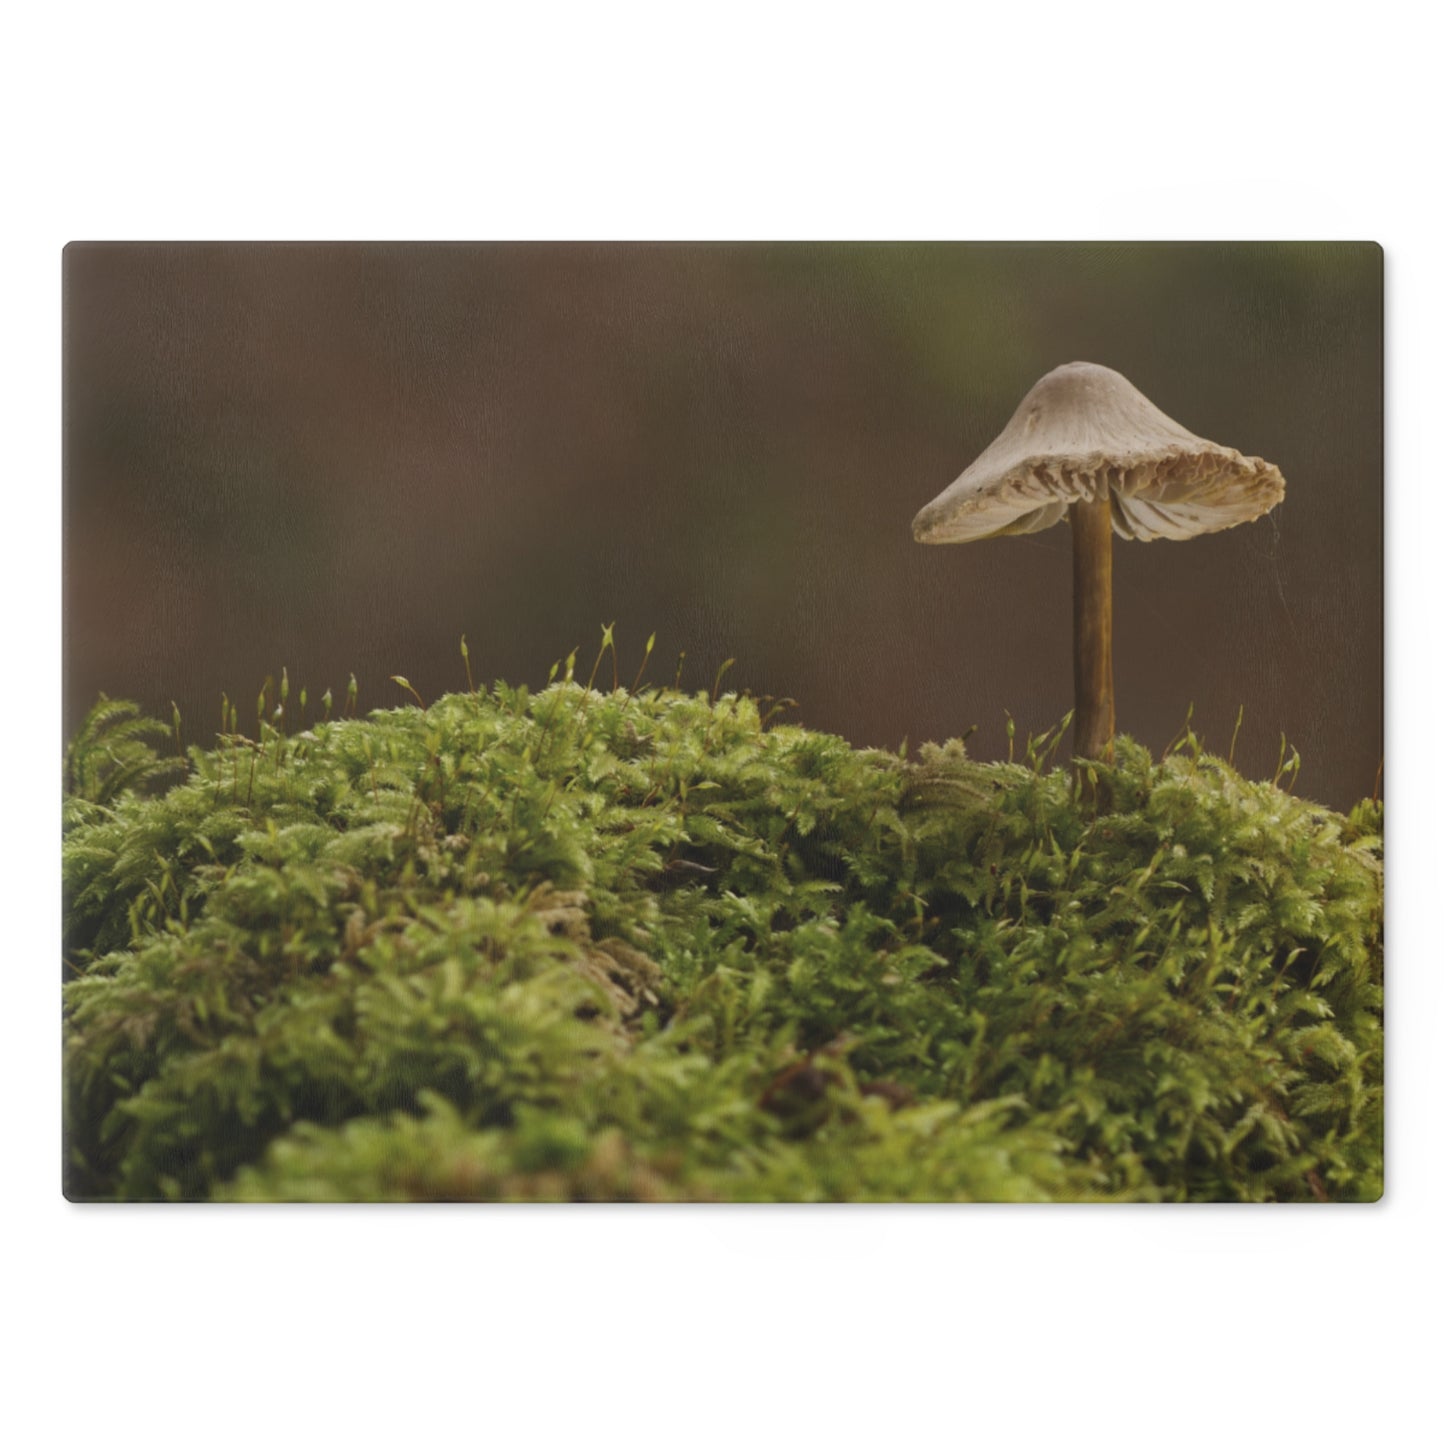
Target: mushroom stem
[1092,525]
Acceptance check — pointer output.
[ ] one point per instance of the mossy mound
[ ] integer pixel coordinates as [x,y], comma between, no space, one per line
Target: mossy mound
[577,945]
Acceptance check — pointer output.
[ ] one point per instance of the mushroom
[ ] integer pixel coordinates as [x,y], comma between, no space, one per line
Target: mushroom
[1086,439]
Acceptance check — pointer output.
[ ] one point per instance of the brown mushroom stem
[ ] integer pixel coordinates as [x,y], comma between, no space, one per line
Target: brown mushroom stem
[1092,525]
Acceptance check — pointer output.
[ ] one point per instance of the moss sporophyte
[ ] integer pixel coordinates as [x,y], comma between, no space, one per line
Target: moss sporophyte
[637,944]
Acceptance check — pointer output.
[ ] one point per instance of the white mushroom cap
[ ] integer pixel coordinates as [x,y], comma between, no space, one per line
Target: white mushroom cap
[1083,432]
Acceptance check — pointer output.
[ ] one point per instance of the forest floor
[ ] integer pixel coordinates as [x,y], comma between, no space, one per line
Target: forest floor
[655,946]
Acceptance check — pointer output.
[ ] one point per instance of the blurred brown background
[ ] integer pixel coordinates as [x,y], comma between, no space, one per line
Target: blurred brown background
[340,458]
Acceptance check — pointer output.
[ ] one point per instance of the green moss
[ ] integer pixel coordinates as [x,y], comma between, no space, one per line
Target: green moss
[599,946]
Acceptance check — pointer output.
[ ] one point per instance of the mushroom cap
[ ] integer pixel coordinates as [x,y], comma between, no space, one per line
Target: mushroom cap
[1086,432]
